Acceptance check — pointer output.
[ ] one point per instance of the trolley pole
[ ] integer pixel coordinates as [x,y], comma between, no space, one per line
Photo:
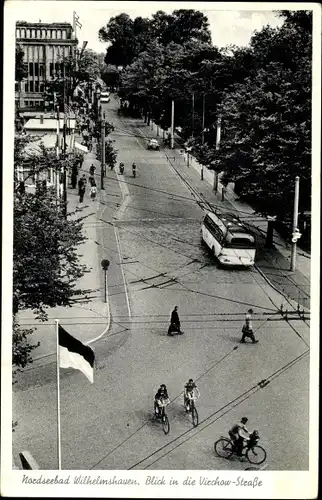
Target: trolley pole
[295,221]
[103,151]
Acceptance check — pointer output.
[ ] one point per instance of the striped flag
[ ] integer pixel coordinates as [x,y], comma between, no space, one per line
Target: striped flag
[74,354]
[67,109]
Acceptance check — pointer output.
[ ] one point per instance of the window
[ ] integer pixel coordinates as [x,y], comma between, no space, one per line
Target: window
[43,33]
[51,69]
[53,34]
[33,33]
[41,69]
[36,69]
[23,33]
[26,87]
[31,69]
[240,242]
[59,34]
[64,34]
[42,87]
[38,34]
[18,33]
[213,228]
[31,86]
[26,103]
[36,86]
[28,33]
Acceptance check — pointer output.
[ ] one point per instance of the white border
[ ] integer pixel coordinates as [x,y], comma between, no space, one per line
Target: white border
[282,484]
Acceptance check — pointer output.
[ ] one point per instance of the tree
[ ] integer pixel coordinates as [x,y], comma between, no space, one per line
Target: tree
[46,263]
[127,39]
[268,120]
[110,75]
[45,260]
[118,32]
[70,72]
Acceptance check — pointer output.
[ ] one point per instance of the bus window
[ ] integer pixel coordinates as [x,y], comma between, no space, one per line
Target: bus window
[240,242]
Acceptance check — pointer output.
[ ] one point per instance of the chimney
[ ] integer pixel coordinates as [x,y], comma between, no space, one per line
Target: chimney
[41,119]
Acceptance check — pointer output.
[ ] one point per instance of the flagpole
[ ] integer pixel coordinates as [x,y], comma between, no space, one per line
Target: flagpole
[58,399]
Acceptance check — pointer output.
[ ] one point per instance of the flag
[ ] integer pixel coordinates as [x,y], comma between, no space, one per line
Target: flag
[67,109]
[73,353]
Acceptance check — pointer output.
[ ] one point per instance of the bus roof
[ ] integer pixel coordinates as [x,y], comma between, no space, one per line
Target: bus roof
[230,221]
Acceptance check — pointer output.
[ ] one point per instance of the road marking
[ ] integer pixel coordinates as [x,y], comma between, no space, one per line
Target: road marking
[121,265]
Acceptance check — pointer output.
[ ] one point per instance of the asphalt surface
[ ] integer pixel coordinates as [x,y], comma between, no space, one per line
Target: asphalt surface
[152,238]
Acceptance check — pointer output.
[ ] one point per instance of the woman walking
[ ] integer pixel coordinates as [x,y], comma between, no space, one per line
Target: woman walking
[93,191]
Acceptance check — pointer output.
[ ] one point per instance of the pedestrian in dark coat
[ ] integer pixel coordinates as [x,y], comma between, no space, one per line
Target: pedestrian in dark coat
[174,322]
[73,178]
[82,188]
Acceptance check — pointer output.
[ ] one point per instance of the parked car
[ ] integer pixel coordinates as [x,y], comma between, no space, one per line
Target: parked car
[153,144]
[105,97]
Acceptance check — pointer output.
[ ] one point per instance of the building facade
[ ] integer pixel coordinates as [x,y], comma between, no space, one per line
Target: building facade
[44,46]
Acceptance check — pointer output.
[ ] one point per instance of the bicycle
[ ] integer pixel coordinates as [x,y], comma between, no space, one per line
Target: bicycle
[161,415]
[190,407]
[254,453]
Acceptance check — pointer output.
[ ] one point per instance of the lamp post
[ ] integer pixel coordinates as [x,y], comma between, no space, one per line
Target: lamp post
[105,265]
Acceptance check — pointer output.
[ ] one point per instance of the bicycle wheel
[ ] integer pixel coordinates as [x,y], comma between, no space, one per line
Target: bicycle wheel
[195,417]
[165,424]
[224,448]
[256,455]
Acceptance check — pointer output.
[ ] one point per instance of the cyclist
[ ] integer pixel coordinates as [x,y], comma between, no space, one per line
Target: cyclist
[160,397]
[134,169]
[190,391]
[237,434]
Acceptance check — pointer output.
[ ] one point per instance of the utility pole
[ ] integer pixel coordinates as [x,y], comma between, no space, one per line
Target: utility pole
[296,233]
[64,155]
[203,119]
[218,134]
[172,124]
[193,114]
[103,150]
[57,152]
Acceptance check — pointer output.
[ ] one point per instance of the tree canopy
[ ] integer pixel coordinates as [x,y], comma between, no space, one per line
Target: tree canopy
[128,38]
[46,263]
[262,93]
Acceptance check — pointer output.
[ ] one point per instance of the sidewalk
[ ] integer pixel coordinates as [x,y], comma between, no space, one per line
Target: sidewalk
[89,319]
[273,264]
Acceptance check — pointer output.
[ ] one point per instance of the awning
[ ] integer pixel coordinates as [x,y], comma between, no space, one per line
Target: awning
[81,147]
[72,144]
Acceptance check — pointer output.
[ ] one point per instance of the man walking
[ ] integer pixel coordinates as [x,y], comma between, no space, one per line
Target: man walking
[82,188]
[174,322]
[247,329]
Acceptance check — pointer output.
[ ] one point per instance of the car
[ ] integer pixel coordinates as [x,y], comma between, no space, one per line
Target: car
[153,144]
[105,97]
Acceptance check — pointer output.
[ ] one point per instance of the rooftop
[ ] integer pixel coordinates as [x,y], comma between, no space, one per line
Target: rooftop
[48,124]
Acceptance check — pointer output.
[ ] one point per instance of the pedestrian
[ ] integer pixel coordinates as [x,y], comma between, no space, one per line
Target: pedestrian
[92,169]
[82,188]
[247,329]
[91,180]
[174,322]
[73,178]
[93,191]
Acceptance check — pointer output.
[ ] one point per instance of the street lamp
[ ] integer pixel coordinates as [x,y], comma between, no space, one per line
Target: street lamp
[105,265]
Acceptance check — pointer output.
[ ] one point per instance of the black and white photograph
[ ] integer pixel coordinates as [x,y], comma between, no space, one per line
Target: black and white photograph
[161,190]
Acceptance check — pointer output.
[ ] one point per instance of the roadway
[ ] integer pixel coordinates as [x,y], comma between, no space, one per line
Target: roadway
[159,262]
